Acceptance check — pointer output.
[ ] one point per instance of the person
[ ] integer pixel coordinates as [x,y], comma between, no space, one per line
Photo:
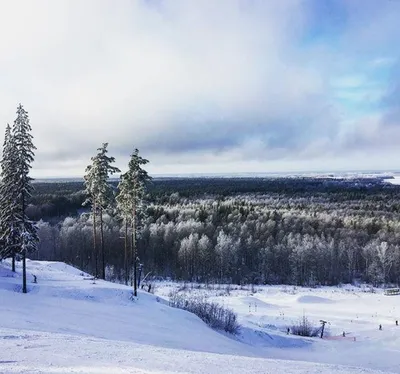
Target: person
[344,334]
[380,327]
[288,330]
[397,322]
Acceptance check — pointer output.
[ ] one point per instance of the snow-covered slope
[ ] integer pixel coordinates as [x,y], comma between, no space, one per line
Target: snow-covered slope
[265,312]
[67,324]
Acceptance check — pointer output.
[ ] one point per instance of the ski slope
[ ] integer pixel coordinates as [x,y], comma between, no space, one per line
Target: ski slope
[265,313]
[69,324]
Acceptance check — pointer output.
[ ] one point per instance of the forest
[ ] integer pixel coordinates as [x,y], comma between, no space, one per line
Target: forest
[305,231]
[299,231]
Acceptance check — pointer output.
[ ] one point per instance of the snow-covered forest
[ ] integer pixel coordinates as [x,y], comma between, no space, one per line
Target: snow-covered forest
[286,230]
[300,231]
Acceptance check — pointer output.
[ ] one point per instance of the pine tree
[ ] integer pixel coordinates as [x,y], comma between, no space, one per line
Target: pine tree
[27,232]
[8,199]
[130,200]
[100,196]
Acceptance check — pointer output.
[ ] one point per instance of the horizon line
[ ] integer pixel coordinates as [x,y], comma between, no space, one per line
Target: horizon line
[238,174]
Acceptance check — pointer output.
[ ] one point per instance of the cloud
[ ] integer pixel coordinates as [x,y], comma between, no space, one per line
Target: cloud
[204,83]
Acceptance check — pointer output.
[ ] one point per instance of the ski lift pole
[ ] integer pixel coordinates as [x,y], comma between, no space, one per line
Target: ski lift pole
[323,327]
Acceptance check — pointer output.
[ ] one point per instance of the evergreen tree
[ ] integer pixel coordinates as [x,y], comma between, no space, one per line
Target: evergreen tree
[27,232]
[130,200]
[8,198]
[100,196]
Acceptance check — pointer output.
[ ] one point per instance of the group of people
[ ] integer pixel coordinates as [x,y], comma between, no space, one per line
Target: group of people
[397,323]
[380,328]
[344,333]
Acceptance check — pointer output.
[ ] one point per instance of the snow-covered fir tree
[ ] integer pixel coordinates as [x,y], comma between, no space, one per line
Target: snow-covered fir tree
[100,196]
[8,199]
[24,156]
[130,200]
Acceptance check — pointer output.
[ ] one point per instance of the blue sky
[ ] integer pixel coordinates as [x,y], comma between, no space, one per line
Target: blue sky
[205,86]
[360,79]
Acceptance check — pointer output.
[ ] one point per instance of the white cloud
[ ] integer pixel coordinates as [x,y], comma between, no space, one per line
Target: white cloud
[188,82]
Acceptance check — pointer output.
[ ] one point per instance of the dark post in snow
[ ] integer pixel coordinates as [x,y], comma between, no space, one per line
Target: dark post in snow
[24,290]
[323,327]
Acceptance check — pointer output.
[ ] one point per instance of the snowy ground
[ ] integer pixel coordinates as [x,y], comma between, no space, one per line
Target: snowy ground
[394,180]
[67,324]
[265,312]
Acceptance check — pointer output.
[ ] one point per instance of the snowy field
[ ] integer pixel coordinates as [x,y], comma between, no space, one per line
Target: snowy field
[265,313]
[68,324]
[394,180]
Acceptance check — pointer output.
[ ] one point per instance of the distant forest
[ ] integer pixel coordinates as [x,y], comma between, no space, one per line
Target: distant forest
[300,231]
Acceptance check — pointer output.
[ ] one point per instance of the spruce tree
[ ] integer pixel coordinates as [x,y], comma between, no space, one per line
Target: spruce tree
[27,232]
[8,199]
[130,199]
[99,196]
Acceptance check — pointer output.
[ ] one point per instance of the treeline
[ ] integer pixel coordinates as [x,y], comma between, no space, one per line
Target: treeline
[303,231]
[290,230]
[53,200]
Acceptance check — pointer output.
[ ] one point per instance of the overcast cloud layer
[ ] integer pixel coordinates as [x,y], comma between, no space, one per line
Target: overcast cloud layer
[205,86]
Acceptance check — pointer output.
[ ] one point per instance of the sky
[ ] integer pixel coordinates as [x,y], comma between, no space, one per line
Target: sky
[205,86]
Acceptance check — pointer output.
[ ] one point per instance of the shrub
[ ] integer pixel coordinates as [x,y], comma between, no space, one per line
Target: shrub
[304,328]
[213,314]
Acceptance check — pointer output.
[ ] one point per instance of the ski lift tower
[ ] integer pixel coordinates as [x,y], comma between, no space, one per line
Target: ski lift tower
[323,327]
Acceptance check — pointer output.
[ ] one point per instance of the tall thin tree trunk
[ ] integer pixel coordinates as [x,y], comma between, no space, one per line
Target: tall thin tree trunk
[13,261]
[103,260]
[134,251]
[82,251]
[94,241]
[126,258]
[24,290]
[221,267]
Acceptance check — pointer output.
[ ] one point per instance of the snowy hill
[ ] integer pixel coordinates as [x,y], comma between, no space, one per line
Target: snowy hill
[68,324]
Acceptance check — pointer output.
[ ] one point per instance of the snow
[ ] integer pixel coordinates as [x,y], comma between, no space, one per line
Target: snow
[394,180]
[68,323]
[314,299]
[266,312]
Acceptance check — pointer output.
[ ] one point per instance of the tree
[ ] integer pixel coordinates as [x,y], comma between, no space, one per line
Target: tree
[386,259]
[130,200]
[206,252]
[24,156]
[8,198]
[99,195]
[188,252]
[226,250]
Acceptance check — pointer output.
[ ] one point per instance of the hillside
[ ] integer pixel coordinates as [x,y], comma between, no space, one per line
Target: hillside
[68,324]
